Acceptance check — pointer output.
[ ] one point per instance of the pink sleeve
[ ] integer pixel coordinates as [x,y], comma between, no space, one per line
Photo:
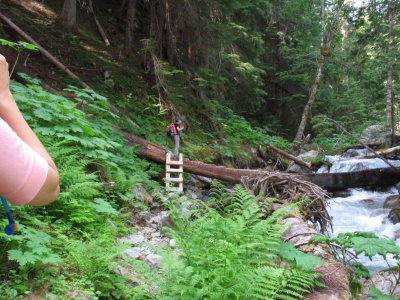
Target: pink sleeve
[22,170]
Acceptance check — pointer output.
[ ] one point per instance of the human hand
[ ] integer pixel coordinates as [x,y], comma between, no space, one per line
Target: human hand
[4,76]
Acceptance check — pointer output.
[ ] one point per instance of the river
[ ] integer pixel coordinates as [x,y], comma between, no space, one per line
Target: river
[361,209]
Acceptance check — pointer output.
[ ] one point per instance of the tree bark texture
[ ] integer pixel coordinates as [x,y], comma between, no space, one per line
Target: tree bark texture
[325,52]
[171,38]
[313,93]
[98,25]
[389,109]
[330,181]
[68,15]
[389,87]
[291,157]
[130,23]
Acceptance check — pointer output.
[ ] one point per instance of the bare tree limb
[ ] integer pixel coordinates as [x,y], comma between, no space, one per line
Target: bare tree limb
[42,50]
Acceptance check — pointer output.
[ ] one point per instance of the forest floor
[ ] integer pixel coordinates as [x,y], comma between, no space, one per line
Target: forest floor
[82,51]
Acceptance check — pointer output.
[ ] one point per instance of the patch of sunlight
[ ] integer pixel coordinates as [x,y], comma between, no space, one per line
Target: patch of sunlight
[102,55]
[97,51]
[36,7]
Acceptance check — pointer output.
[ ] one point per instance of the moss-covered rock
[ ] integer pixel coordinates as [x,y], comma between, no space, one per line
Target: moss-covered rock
[392,202]
[394,215]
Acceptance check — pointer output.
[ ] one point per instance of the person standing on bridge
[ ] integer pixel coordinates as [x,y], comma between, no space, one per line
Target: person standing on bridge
[175,130]
[177,136]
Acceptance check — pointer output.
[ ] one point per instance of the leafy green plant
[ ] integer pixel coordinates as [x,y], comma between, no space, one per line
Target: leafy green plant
[19,47]
[361,242]
[233,253]
[30,248]
[377,294]
[97,171]
[366,243]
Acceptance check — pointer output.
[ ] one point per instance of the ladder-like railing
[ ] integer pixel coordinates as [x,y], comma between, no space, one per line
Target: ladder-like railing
[174,167]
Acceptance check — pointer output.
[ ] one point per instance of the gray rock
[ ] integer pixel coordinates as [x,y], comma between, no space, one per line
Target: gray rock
[351,153]
[134,253]
[134,239]
[394,215]
[79,295]
[194,195]
[140,193]
[392,201]
[373,134]
[161,220]
[132,276]
[385,281]
[295,168]
[172,243]
[398,187]
[342,194]
[358,167]
[157,242]
[200,179]
[153,260]
[368,201]
[155,234]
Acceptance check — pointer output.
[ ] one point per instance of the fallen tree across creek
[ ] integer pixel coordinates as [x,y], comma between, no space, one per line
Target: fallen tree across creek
[330,181]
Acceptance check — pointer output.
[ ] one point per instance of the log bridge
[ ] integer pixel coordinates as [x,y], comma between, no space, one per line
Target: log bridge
[329,181]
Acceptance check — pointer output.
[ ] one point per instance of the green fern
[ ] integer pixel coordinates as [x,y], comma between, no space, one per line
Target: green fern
[77,204]
[233,254]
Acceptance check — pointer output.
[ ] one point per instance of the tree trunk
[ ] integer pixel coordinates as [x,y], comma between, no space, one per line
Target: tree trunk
[389,109]
[389,87]
[311,99]
[325,52]
[130,20]
[333,181]
[68,15]
[171,38]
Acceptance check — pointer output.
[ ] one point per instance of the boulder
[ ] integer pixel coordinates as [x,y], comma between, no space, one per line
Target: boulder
[351,153]
[79,295]
[392,202]
[134,239]
[358,167]
[140,193]
[398,187]
[368,201]
[154,260]
[385,281]
[306,156]
[394,215]
[373,134]
[341,193]
[333,273]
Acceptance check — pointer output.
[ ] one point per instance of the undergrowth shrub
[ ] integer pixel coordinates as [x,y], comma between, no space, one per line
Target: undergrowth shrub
[238,133]
[70,244]
[329,138]
[233,253]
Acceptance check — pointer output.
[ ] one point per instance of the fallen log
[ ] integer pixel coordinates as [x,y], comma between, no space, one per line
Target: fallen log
[383,153]
[365,145]
[330,181]
[42,50]
[360,146]
[98,25]
[291,157]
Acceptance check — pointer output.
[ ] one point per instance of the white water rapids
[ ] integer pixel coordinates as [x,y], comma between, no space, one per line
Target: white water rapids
[362,210]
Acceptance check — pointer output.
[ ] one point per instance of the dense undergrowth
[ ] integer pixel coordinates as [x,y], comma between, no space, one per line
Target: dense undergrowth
[234,252]
[70,245]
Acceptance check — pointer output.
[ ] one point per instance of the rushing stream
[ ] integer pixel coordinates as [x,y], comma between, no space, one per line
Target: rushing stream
[362,210]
